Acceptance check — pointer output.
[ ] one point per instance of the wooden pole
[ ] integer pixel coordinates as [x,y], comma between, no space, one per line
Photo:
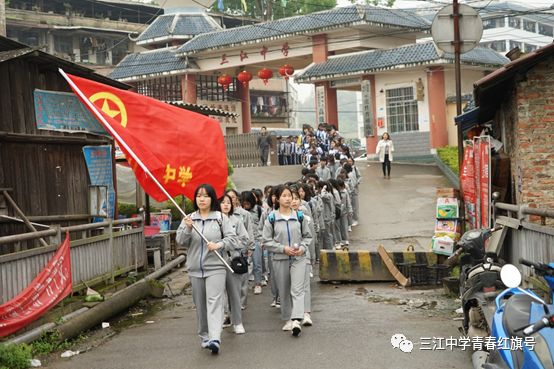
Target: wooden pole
[22,216]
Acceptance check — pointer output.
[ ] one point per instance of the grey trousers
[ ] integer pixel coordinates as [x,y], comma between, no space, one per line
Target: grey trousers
[344,227]
[208,295]
[336,230]
[272,280]
[355,206]
[243,289]
[307,290]
[290,276]
[233,285]
[328,239]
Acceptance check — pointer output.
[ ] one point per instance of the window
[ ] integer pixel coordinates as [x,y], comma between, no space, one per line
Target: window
[546,30]
[514,44]
[499,45]
[514,22]
[402,113]
[164,89]
[63,44]
[530,48]
[493,23]
[529,26]
[207,88]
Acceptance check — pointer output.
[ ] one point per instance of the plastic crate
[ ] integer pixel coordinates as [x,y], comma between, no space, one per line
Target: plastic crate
[404,268]
[437,272]
[419,274]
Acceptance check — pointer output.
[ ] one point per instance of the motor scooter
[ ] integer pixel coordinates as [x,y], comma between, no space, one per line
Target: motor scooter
[521,316]
[480,281]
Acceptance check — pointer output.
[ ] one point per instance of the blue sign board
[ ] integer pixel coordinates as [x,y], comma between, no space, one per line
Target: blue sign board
[99,165]
[62,111]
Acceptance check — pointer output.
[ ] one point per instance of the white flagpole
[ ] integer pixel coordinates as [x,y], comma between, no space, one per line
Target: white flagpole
[135,157]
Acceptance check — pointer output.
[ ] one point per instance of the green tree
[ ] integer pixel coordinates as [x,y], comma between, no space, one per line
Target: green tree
[276,9]
[388,3]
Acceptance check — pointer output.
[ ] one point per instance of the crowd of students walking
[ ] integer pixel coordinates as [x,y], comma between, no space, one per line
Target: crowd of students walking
[281,230]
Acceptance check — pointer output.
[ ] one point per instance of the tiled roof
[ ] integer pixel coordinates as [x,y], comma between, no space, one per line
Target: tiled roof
[405,56]
[314,22]
[177,26]
[202,109]
[149,63]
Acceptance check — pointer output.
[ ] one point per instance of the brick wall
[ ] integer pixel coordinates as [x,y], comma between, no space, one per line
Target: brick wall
[533,137]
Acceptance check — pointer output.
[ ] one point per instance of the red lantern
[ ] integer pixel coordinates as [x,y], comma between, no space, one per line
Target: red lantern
[224,80]
[265,74]
[286,71]
[244,77]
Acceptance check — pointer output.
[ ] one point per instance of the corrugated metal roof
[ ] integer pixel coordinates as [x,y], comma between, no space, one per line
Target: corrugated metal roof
[150,63]
[334,18]
[410,55]
[177,26]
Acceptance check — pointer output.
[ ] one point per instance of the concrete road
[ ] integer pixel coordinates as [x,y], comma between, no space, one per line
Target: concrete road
[395,212]
[349,332]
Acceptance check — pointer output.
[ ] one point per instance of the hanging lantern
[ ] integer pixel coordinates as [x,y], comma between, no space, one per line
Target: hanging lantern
[265,74]
[224,80]
[244,77]
[286,71]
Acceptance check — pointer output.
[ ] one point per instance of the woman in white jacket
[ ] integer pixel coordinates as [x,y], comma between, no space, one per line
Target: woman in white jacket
[385,148]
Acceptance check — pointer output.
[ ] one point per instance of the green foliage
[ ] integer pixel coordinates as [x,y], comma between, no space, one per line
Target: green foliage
[15,356]
[50,342]
[387,3]
[449,156]
[230,169]
[263,9]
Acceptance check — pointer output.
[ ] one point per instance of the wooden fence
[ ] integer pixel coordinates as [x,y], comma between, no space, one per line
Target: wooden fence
[117,248]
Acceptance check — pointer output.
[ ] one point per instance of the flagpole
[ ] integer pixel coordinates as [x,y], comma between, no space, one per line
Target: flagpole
[135,157]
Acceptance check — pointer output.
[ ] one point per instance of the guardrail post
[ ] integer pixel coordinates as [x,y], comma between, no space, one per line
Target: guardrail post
[112,250]
[57,238]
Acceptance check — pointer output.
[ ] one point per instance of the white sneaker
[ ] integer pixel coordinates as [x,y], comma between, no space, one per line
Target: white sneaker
[264,283]
[311,275]
[346,243]
[257,290]
[338,247]
[349,229]
[288,326]
[278,304]
[273,303]
[307,321]
[296,328]
[239,329]
[354,224]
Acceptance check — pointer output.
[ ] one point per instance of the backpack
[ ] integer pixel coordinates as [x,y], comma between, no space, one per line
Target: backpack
[239,264]
[299,215]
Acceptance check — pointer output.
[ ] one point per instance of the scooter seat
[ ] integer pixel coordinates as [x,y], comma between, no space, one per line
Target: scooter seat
[516,314]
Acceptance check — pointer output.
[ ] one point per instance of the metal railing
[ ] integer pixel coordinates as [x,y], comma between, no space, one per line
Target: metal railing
[529,235]
[116,249]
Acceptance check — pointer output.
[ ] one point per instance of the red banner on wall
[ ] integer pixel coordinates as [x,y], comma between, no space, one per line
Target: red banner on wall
[48,288]
[467,181]
[484,178]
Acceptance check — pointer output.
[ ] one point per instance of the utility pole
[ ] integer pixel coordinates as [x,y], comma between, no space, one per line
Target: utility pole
[456,17]
[2,17]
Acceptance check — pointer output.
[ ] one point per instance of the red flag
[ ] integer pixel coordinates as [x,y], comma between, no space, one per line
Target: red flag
[48,288]
[182,149]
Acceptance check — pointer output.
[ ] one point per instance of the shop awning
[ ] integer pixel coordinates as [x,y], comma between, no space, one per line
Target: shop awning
[468,120]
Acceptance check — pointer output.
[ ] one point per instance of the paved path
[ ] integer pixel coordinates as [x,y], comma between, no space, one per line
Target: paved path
[395,212]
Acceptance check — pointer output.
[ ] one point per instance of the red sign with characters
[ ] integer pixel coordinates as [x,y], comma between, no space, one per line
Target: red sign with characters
[48,288]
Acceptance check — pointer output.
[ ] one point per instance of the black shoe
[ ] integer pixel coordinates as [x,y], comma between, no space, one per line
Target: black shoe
[227,322]
[214,346]
[296,328]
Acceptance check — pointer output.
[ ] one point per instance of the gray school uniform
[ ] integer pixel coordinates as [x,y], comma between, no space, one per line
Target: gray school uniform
[272,281]
[206,271]
[336,223]
[355,202]
[247,221]
[320,223]
[324,173]
[327,234]
[333,169]
[346,208]
[290,272]
[307,210]
[234,281]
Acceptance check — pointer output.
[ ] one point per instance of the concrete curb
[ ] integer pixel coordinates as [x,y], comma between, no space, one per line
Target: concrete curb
[365,265]
[452,177]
